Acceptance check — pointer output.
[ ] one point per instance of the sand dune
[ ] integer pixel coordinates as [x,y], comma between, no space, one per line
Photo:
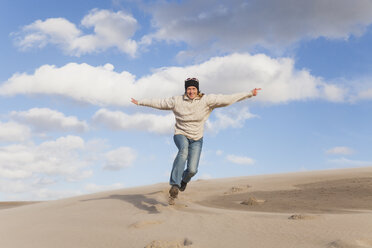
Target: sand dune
[14,204]
[330,209]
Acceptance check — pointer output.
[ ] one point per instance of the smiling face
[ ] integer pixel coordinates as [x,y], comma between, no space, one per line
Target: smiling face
[191,92]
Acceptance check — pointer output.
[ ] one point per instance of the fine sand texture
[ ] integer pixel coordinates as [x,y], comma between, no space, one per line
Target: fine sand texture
[330,209]
[14,204]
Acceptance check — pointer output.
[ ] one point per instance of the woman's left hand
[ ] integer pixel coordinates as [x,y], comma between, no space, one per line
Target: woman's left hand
[255,91]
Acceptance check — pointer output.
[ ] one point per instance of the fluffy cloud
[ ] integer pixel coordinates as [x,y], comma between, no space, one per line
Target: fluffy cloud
[364,95]
[119,158]
[164,124]
[44,119]
[13,132]
[215,24]
[234,25]
[240,160]
[340,150]
[13,186]
[101,85]
[27,171]
[111,29]
[118,120]
[230,117]
[60,157]
[362,88]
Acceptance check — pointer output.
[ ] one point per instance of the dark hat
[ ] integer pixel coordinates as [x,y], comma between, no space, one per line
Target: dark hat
[192,82]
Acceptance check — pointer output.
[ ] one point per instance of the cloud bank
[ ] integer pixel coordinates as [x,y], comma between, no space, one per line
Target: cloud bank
[45,119]
[14,132]
[61,157]
[35,168]
[103,86]
[117,120]
[340,150]
[235,25]
[111,29]
[164,124]
[120,158]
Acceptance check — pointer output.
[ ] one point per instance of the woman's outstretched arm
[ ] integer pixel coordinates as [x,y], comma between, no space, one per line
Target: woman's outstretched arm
[164,104]
[218,101]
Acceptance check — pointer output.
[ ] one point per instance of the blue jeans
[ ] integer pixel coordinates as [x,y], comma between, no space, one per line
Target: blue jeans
[188,150]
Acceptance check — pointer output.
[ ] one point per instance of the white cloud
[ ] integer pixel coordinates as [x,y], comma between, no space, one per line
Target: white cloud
[340,150]
[61,157]
[13,132]
[359,88]
[362,88]
[118,120]
[92,188]
[226,118]
[344,162]
[120,158]
[232,25]
[334,93]
[13,173]
[42,181]
[364,95]
[240,160]
[164,124]
[82,82]
[33,172]
[101,85]
[13,186]
[44,119]
[111,29]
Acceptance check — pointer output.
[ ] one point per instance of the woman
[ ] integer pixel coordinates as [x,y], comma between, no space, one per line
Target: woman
[191,111]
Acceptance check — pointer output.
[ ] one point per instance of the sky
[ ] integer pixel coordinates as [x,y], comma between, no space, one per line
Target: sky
[69,69]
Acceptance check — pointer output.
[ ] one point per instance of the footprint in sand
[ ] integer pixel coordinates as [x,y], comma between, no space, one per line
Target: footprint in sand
[364,242]
[350,244]
[252,201]
[339,244]
[237,189]
[144,224]
[169,244]
[301,217]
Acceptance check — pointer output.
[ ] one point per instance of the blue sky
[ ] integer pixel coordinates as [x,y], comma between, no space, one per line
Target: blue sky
[69,69]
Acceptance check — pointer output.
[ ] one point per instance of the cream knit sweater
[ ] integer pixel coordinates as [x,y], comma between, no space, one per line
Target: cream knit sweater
[191,115]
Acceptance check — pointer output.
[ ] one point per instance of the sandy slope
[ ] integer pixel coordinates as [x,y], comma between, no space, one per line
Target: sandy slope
[14,204]
[310,209]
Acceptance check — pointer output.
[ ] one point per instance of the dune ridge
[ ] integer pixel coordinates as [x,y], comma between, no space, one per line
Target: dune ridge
[306,209]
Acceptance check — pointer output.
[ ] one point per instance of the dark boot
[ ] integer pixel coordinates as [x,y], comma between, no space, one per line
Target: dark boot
[173,192]
[183,186]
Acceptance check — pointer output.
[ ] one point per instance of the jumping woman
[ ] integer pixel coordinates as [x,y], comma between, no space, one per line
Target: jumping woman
[191,111]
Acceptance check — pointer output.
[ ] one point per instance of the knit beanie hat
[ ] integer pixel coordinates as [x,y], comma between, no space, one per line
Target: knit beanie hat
[192,82]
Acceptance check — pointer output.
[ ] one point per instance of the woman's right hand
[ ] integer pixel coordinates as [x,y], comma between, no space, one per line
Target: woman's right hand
[134,101]
[255,91]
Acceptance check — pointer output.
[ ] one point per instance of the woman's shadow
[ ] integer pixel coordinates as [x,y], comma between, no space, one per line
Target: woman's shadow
[140,201]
